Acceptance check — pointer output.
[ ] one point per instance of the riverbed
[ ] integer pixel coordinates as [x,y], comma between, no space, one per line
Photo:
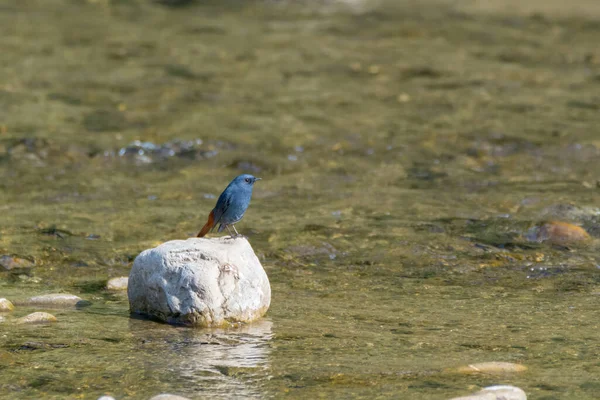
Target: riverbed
[410,154]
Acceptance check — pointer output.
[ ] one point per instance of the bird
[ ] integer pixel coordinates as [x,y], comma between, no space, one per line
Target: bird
[231,205]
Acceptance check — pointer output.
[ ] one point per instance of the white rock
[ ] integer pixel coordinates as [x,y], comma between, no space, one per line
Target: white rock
[37,318]
[106,398]
[201,282]
[6,305]
[54,300]
[166,396]
[119,283]
[500,392]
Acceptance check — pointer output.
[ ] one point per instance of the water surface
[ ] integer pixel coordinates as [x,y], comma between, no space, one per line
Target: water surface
[408,150]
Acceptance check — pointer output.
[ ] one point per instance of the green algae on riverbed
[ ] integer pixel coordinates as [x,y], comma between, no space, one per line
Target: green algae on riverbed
[407,150]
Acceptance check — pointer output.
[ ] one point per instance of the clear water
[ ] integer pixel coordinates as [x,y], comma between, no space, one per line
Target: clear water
[407,150]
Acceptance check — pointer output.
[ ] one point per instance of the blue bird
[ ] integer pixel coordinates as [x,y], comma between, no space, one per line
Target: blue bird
[231,205]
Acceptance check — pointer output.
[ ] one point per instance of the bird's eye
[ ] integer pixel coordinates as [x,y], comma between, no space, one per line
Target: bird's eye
[247,180]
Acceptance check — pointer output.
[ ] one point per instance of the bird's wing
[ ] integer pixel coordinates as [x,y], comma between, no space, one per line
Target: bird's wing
[222,205]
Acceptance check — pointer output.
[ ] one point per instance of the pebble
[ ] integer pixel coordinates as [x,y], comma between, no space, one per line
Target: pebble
[106,398]
[166,396]
[37,318]
[492,367]
[119,283]
[2,319]
[560,233]
[500,392]
[54,300]
[6,305]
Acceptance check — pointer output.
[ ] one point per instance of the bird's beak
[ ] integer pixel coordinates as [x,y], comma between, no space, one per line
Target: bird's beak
[257,179]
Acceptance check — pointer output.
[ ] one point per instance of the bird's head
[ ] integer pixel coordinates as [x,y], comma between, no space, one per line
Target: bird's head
[246,179]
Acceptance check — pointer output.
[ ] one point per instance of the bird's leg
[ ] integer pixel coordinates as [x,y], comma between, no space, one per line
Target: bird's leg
[229,230]
[236,232]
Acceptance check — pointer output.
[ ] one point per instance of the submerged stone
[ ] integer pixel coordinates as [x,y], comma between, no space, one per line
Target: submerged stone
[6,305]
[11,262]
[200,282]
[148,152]
[119,283]
[500,392]
[55,300]
[559,233]
[37,318]
[571,212]
[492,367]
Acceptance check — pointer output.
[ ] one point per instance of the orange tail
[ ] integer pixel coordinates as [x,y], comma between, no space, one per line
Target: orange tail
[208,226]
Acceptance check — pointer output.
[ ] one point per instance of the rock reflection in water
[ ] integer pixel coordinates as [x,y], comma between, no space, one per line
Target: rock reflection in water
[222,362]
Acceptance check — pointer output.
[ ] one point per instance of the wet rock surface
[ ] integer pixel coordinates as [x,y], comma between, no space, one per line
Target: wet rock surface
[166,396]
[42,152]
[200,282]
[492,367]
[119,283]
[558,233]
[144,152]
[9,262]
[37,318]
[500,392]
[6,305]
[55,300]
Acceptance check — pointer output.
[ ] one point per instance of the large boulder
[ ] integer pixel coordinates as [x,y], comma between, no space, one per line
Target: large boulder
[200,282]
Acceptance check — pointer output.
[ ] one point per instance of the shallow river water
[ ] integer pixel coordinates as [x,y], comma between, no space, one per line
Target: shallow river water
[410,153]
